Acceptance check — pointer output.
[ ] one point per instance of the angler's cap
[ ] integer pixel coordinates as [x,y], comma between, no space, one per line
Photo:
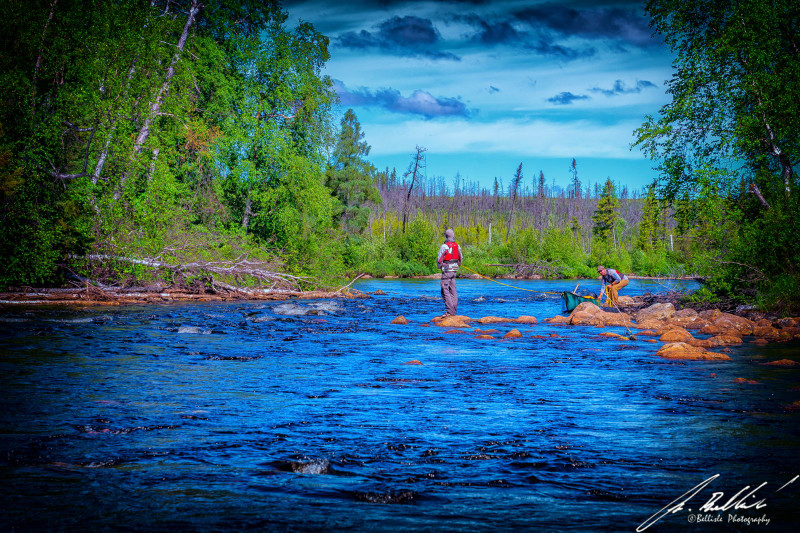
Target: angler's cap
[449,234]
[601,268]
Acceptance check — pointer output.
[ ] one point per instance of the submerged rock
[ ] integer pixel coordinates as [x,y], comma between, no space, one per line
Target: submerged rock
[413,362]
[194,330]
[747,381]
[783,362]
[486,337]
[400,320]
[379,293]
[513,334]
[485,331]
[682,350]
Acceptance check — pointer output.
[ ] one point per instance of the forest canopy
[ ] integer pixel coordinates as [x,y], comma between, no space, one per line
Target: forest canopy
[180,130]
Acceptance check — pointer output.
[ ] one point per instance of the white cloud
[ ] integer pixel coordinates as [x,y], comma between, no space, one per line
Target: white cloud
[536,138]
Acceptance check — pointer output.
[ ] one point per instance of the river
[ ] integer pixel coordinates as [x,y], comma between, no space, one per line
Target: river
[304,415]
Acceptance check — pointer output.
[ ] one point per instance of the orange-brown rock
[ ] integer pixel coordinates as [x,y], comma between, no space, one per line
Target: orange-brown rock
[379,293]
[656,312]
[681,350]
[462,318]
[676,334]
[725,340]
[524,319]
[733,322]
[425,325]
[710,315]
[513,334]
[484,337]
[588,314]
[702,343]
[625,301]
[612,335]
[783,362]
[485,331]
[456,321]
[649,340]
[787,322]
[558,319]
[413,362]
[747,381]
[760,341]
[538,337]
[554,336]
[649,324]
[400,320]
[456,331]
[763,323]
[494,320]
[688,319]
[648,333]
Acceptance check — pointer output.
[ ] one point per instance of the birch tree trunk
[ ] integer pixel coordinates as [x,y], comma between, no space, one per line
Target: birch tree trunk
[155,108]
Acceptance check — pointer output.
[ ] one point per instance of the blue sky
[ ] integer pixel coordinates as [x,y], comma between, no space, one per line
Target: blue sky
[485,85]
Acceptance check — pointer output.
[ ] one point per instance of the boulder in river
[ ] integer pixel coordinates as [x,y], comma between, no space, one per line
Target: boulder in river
[676,334]
[494,320]
[413,362]
[682,350]
[733,322]
[783,362]
[558,319]
[513,334]
[588,314]
[656,312]
[524,319]
[486,337]
[455,321]
[379,293]
[710,314]
[400,320]
[725,340]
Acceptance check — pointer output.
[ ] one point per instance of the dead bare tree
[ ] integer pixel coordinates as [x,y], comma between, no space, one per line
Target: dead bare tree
[514,188]
[414,169]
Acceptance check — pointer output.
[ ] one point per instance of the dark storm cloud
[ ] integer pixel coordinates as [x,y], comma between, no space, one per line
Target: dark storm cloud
[620,88]
[503,32]
[419,103]
[405,36]
[616,23]
[566,98]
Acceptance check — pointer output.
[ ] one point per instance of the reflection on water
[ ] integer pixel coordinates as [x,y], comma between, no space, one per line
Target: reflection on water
[304,415]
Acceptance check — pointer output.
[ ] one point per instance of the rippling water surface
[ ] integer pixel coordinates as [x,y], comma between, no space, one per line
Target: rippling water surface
[304,415]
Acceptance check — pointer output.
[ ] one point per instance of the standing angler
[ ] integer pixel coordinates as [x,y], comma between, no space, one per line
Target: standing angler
[449,260]
[614,281]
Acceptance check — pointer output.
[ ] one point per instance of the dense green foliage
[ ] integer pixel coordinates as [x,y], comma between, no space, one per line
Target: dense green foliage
[728,142]
[189,131]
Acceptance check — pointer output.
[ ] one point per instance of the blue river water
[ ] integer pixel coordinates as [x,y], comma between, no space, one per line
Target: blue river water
[303,415]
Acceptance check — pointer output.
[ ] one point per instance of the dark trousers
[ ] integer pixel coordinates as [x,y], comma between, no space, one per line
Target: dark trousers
[449,292]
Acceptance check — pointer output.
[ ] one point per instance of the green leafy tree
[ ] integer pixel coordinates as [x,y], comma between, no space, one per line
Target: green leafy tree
[605,216]
[650,227]
[351,178]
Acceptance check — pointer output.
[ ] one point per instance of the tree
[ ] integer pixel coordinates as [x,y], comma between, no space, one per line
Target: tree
[350,177]
[735,95]
[649,227]
[515,181]
[605,216]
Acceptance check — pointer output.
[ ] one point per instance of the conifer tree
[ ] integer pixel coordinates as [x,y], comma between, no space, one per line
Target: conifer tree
[351,177]
[606,214]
